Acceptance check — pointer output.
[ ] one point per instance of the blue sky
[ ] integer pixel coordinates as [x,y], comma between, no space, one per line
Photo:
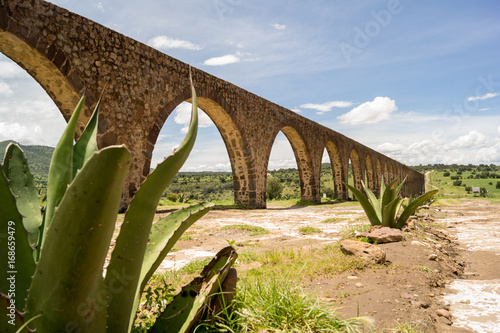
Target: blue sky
[416,80]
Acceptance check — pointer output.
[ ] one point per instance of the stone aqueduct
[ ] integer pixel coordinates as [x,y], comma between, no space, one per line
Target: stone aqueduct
[64,52]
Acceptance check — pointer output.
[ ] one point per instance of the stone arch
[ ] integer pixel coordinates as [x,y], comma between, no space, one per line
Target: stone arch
[304,163]
[244,189]
[336,163]
[356,169]
[244,185]
[47,65]
[370,174]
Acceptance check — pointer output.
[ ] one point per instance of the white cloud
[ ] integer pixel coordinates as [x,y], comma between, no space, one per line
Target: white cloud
[5,89]
[100,7]
[279,26]
[498,131]
[483,97]
[9,70]
[296,110]
[484,109]
[378,110]
[165,42]
[325,107]
[239,45]
[473,139]
[18,132]
[387,148]
[224,60]
[474,147]
[183,117]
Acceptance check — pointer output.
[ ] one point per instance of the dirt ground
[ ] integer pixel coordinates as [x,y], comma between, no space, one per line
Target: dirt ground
[407,289]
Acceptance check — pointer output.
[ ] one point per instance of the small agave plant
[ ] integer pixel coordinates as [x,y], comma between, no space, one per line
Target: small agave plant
[52,266]
[384,211]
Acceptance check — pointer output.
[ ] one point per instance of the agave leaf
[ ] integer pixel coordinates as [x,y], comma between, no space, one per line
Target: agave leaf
[367,206]
[23,187]
[16,260]
[164,234]
[373,200]
[184,310]
[382,187]
[412,206]
[389,194]
[68,286]
[61,168]
[87,143]
[129,251]
[390,213]
[398,189]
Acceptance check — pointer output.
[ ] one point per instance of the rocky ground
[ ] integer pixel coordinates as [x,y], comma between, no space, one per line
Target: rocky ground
[406,289]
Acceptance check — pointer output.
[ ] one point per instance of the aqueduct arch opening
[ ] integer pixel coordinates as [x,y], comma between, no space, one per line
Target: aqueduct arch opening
[233,141]
[336,164]
[303,160]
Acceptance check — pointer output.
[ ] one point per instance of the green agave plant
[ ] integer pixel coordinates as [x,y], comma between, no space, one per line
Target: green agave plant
[384,211]
[55,262]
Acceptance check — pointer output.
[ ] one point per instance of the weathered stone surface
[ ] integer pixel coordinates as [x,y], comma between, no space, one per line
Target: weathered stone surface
[444,313]
[385,235]
[65,52]
[363,250]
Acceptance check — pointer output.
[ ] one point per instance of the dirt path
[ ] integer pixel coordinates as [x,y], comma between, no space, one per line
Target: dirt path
[408,289]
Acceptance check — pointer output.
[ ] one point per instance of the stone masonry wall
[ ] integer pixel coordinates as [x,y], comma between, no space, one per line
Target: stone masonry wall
[65,52]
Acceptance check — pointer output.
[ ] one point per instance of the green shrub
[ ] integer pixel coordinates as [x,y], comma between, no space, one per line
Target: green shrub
[273,188]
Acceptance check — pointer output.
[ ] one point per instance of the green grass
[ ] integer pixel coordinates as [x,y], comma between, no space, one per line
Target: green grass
[306,264]
[279,305]
[349,230]
[425,269]
[332,220]
[276,256]
[255,230]
[309,230]
[445,184]
[195,266]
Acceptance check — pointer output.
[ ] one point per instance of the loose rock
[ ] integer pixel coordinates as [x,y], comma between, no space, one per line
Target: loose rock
[385,235]
[363,250]
[444,313]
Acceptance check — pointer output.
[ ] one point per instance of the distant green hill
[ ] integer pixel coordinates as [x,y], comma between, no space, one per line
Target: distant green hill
[38,158]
